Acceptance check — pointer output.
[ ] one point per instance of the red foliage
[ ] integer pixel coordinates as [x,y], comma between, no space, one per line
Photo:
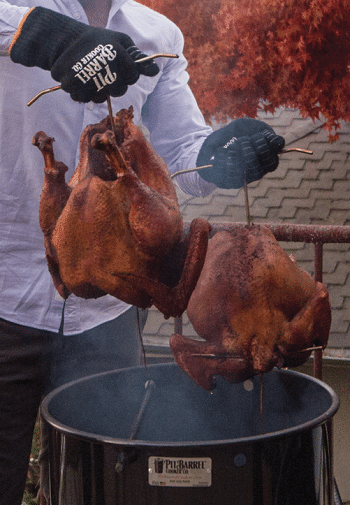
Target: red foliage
[255,54]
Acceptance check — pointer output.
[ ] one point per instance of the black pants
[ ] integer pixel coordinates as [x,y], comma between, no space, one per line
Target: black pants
[32,363]
[24,359]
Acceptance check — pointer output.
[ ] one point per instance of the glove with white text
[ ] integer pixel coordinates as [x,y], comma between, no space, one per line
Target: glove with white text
[90,63]
[244,150]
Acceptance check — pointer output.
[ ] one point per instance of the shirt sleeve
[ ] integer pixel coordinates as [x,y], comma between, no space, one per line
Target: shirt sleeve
[176,125]
[10,17]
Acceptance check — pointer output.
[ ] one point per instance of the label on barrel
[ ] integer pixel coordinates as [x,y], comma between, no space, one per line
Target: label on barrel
[179,472]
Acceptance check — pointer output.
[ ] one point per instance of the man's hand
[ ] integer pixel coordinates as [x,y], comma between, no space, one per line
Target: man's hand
[90,63]
[244,150]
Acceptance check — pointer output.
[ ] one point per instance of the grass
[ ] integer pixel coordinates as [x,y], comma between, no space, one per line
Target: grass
[30,496]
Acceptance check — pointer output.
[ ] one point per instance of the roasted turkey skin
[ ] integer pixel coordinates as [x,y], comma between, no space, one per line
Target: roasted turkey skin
[253,307]
[115,227]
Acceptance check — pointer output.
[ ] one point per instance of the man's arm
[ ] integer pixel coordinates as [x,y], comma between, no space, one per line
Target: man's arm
[177,127]
[90,63]
[243,150]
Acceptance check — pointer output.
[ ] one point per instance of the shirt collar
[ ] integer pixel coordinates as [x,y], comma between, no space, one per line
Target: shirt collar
[116,5]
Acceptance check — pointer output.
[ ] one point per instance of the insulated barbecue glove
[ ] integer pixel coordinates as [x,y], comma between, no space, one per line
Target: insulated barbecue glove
[90,63]
[245,149]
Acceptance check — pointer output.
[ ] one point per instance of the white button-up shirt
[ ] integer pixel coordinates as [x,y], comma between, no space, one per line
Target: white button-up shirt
[163,103]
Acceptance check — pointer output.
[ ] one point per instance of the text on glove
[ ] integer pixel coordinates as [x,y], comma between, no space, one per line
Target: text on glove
[92,65]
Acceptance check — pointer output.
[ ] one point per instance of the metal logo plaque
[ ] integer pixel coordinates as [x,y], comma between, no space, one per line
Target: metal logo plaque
[179,472]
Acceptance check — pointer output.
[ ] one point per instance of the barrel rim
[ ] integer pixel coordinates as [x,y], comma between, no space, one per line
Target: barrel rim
[96,438]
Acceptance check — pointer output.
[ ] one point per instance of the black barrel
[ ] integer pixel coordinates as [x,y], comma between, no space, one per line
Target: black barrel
[132,437]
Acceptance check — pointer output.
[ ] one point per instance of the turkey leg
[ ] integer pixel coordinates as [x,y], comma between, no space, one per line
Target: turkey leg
[54,196]
[151,233]
[172,301]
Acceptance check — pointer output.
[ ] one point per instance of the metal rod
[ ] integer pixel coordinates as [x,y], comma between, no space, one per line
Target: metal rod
[318,262]
[118,152]
[41,93]
[158,55]
[292,149]
[178,325]
[327,434]
[246,202]
[122,458]
[218,356]
[150,385]
[186,171]
[141,60]
[110,112]
[62,470]
[141,342]
[290,232]
[316,348]
[296,149]
[240,357]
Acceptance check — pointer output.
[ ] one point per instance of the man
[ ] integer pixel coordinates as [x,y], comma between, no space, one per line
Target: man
[45,342]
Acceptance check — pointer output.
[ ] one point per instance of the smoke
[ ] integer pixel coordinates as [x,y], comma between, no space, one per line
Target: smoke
[177,410]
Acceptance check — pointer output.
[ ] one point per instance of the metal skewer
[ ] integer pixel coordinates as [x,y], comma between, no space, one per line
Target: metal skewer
[141,60]
[110,113]
[246,201]
[158,55]
[43,92]
[296,149]
[179,172]
[149,386]
[292,149]
[122,456]
[316,348]
[218,356]
[224,356]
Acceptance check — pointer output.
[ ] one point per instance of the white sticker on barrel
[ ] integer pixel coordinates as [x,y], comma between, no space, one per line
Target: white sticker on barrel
[179,472]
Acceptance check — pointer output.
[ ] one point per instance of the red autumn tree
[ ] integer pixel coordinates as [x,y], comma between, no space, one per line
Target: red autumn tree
[244,56]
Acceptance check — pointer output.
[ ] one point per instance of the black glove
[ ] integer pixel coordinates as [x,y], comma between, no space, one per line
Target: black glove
[90,63]
[244,149]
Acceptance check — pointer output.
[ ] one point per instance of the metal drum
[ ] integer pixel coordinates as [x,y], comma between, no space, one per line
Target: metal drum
[132,437]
